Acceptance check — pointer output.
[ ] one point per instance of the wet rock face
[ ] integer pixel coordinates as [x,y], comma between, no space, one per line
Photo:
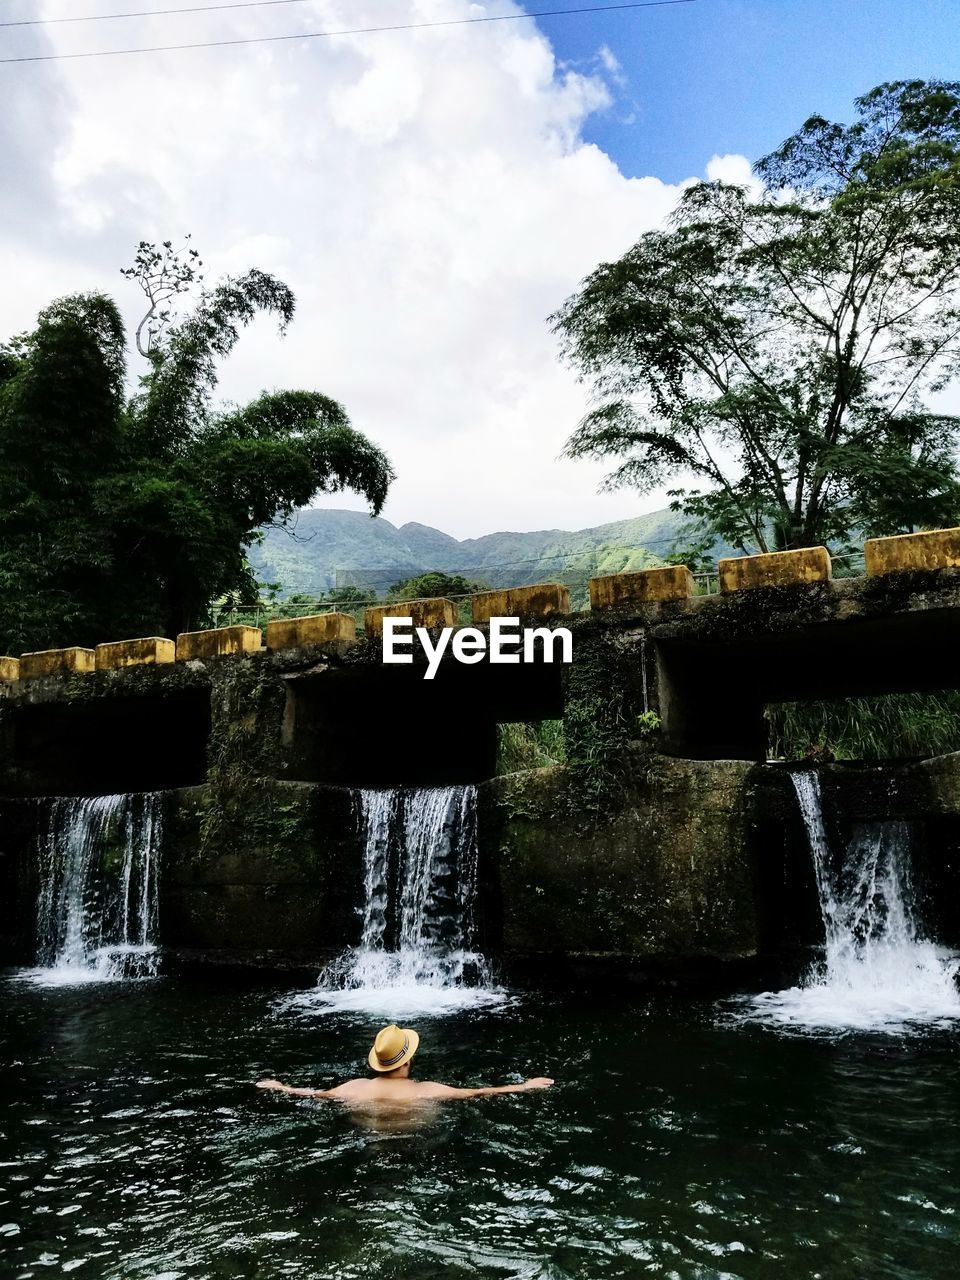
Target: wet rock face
[19,881]
[699,860]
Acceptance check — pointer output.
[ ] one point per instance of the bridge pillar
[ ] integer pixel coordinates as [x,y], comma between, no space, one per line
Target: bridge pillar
[938,549]
[52,662]
[775,569]
[432,612]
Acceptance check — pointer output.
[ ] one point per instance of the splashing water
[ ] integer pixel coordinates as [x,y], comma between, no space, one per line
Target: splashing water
[416,952]
[97,911]
[878,972]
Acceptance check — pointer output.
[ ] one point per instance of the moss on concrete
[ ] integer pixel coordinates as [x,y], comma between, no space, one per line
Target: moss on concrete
[146,651]
[318,628]
[220,642]
[625,591]
[544,600]
[289,878]
[54,662]
[774,569]
[930,550]
[603,698]
[667,874]
[247,713]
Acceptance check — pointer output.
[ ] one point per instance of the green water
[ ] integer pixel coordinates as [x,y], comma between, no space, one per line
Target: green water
[674,1144]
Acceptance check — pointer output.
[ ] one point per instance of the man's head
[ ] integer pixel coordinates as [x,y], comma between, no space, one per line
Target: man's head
[393,1050]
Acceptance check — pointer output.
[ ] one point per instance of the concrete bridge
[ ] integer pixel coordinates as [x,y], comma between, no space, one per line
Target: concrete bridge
[254,742]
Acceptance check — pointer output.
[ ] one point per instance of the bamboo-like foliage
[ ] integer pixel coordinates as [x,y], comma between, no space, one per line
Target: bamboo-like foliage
[129,515]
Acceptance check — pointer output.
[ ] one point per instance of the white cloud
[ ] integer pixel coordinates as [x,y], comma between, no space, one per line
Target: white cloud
[427,195]
[732,169]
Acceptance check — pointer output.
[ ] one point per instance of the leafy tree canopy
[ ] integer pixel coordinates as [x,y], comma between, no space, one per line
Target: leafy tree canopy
[427,585]
[124,516]
[348,595]
[774,353]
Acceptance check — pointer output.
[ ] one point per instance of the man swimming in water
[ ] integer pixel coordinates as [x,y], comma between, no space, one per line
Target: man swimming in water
[391,1058]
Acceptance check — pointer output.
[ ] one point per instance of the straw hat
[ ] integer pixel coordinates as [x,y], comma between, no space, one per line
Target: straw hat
[392,1048]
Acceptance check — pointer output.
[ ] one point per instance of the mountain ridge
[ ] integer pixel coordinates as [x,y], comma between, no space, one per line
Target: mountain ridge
[328,547]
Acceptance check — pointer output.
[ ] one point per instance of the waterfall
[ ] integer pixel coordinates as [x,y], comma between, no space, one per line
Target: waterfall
[878,971]
[97,910]
[417,947]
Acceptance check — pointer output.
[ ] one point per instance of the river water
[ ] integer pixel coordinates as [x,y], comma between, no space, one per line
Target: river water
[879,971]
[811,1132]
[676,1143]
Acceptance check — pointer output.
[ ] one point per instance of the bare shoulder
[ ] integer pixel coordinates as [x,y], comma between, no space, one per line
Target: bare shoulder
[357,1088]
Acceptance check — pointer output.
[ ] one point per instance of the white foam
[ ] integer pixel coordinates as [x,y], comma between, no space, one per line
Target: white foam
[420,866]
[878,973]
[896,990]
[107,964]
[399,1001]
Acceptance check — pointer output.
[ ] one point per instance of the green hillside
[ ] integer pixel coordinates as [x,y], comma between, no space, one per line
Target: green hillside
[336,548]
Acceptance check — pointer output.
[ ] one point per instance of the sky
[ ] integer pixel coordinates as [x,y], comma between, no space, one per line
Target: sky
[430,196]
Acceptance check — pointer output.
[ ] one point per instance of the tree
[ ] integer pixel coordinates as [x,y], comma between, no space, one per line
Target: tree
[424,586]
[162,273]
[127,516]
[777,351]
[347,595]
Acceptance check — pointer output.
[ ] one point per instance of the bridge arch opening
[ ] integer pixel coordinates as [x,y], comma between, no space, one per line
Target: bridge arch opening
[713,691]
[108,745]
[388,726]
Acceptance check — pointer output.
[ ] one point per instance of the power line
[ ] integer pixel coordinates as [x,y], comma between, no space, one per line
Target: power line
[355,31]
[147,13]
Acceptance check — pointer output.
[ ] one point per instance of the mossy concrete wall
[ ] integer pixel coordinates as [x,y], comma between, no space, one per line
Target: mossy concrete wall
[51,662]
[134,653]
[18,880]
[775,569]
[279,886]
[659,852]
[544,600]
[318,628]
[665,876]
[429,613]
[645,586]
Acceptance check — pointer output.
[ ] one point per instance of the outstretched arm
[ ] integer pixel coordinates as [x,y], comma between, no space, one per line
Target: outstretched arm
[300,1093]
[448,1091]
